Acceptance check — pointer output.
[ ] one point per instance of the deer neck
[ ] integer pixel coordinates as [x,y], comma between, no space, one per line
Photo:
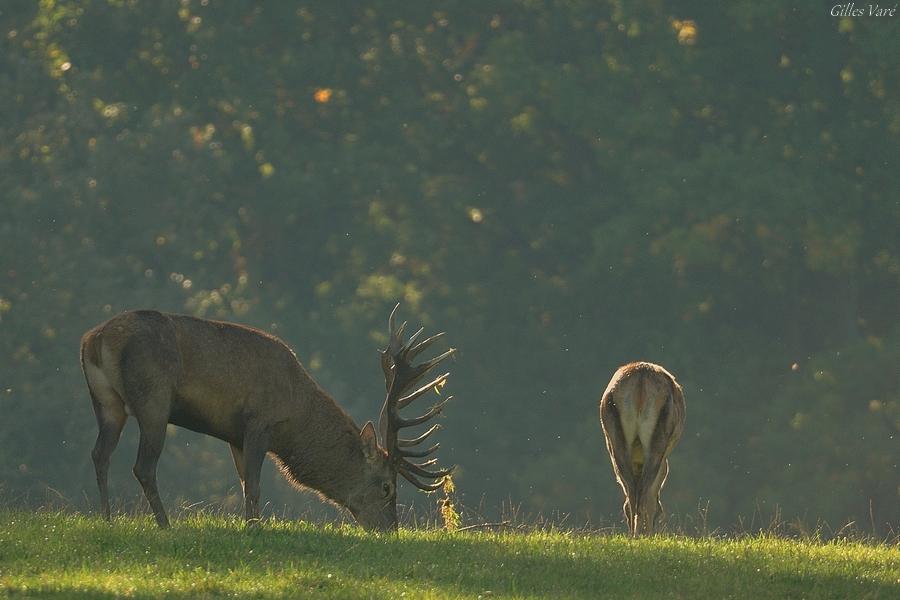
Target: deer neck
[320,448]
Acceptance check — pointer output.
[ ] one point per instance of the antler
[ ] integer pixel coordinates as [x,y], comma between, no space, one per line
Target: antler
[400,376]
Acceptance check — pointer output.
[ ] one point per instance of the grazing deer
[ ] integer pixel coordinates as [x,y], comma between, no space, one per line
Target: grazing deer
[642,415]
[247,387]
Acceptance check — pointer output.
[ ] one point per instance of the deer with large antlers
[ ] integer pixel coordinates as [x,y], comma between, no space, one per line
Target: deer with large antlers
[246,387]
[642,415]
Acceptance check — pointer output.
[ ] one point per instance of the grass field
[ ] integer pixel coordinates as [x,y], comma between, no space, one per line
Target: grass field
[63,555]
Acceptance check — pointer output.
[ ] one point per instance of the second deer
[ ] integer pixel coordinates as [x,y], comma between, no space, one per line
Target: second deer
[642,414]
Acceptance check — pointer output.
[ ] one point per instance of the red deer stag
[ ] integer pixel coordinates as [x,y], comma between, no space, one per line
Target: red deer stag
[247,387]
[642,415]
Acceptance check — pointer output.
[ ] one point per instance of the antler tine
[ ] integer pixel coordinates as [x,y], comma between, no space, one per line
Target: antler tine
[401,443]
[405,400]
[420,470]
[419,371]
[398,335]
[428,487]
[413,337]
[436,409]
[419,453]
[422,346]
[391,318]
[395,333]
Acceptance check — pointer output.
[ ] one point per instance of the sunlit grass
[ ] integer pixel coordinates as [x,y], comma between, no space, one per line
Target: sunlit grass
[60,555]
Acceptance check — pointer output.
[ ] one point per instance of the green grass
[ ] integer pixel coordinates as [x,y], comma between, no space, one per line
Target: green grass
[63,555]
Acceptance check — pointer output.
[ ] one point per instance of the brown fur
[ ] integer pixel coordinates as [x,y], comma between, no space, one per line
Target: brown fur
[241,385]
[642,414]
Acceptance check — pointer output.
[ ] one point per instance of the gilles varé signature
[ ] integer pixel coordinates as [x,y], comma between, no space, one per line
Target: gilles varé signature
[868,10]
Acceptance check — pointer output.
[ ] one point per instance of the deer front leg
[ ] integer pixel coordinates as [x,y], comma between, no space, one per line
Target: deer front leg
[238,456]
[249,461]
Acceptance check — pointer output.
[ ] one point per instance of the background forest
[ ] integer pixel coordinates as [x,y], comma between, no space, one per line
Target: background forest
[562,186]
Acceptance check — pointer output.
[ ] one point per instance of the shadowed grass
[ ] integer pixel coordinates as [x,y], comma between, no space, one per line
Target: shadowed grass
[73,556]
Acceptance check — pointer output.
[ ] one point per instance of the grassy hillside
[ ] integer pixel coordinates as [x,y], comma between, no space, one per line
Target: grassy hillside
[58,555]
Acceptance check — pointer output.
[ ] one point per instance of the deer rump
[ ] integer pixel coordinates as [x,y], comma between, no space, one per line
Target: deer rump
[642,414]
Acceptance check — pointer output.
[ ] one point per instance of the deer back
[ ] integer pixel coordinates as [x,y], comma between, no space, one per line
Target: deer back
[221,375]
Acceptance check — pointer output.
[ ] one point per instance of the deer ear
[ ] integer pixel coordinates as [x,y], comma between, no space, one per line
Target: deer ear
[369,441]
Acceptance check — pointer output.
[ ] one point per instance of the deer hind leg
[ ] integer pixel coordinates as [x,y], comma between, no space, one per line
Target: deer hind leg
[153,436]
[110,412]
[619,453]
[660,481]
[148,393]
